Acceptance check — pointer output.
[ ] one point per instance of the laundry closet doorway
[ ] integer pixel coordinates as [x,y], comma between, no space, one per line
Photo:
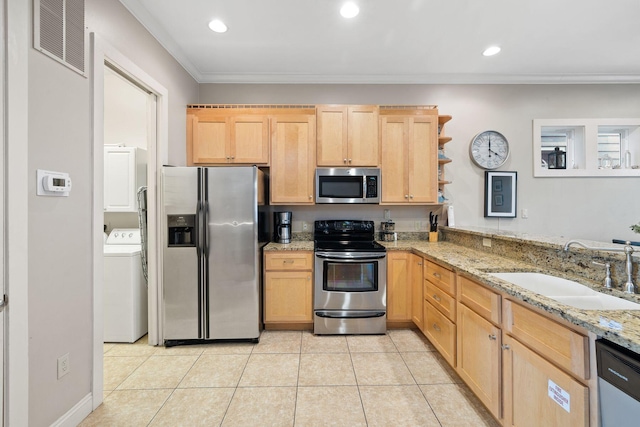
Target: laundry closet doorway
[106,61]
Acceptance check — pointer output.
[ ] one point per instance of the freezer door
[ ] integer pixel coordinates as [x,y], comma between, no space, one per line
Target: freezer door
[181,294]
[233,256]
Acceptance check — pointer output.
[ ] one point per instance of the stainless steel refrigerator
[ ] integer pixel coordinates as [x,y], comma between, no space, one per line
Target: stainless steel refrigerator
[214,222]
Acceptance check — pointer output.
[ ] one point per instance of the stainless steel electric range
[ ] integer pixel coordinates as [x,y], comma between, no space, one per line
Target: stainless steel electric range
[350,286]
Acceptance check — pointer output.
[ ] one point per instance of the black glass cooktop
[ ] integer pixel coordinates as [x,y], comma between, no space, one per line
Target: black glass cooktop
[348,246]
[345,236]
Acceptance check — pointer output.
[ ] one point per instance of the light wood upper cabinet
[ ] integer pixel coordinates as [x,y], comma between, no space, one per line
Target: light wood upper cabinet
[292,159]
[398,286]
[347,135]
[223,137]
[409,159]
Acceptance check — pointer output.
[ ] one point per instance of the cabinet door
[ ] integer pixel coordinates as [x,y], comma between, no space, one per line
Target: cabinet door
[441,332]
[288,296]
[423,159]
[398,286]
[332,135]
[479,357]
[536,393]
[120,180]
[395,176]
[292,159]
[417,297]
[210,139]
[363,142]
[250,140]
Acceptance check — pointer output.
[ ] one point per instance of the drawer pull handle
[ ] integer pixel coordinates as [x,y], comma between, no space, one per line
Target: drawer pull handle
[288,261]
[437,298]
[492,337]
[436,327]
[505,346]
[437,275]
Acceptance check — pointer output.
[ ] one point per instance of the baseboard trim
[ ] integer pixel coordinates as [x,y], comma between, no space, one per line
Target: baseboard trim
[75,415]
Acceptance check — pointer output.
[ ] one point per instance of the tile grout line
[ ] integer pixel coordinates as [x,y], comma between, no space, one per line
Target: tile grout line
[235,389]
[364,413]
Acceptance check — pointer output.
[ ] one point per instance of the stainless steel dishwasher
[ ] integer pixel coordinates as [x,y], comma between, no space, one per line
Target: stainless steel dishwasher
[618,385]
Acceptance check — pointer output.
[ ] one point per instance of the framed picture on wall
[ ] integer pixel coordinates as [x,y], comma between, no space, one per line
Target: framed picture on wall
[500,194]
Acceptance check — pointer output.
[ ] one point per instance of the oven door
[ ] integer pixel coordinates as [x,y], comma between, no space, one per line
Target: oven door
[348,281]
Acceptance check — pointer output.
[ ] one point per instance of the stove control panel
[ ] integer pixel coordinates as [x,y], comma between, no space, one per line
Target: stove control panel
[343,227]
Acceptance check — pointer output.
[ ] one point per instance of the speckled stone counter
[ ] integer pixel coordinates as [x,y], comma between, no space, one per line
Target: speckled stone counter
[619,326]
[295,245]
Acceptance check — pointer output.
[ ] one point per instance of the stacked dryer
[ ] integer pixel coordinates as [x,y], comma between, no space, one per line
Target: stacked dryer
[125,289]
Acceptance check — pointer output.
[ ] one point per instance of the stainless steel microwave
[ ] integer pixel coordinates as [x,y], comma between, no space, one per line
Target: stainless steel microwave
[347,185]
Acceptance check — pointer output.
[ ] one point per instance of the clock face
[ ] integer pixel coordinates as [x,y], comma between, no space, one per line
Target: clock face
[489,149]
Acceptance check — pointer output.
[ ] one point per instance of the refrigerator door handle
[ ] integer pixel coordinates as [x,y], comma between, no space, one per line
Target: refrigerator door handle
[205,252]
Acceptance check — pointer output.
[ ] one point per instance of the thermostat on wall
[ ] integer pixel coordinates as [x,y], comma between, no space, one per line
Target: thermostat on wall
[52,183]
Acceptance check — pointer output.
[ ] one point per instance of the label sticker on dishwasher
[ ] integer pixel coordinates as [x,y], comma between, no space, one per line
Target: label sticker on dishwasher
[560,396]
[611,324]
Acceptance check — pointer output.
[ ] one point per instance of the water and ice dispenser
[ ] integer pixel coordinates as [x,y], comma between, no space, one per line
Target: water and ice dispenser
[181,230]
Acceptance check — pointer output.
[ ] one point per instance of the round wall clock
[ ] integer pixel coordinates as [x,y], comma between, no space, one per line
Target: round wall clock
[489,149]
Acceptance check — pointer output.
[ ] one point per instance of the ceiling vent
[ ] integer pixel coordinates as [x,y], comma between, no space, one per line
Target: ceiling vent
[59,32]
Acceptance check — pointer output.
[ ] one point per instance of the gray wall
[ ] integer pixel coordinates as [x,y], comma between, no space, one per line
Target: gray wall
[59,229]
[589,208]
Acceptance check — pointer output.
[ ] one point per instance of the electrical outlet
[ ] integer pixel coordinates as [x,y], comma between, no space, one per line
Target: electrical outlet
[486,242]
[63,365]
[525,213]
[387,214]
[305,226]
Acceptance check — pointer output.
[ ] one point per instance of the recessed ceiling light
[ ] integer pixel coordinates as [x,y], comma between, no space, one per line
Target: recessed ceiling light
[492,50]
[217,26]
[349,10]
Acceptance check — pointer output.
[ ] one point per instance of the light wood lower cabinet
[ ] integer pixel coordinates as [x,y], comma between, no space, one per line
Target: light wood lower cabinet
[398,286]
[537,393]
[439,309]
[417,291]
[288,287]
[441,332]
[479,357]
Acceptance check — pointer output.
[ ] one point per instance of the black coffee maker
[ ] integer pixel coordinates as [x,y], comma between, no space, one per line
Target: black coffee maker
[282,227]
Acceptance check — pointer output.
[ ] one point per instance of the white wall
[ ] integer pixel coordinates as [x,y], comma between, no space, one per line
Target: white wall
[59,245]
[589,208]
[125,111]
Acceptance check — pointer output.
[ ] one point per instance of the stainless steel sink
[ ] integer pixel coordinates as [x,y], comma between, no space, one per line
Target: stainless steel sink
[567,292]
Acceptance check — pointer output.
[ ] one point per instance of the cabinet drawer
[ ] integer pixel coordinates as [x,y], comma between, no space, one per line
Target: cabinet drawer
[441,332]
[442,277]
[440,300]
[480,299]
[566,348]
[281,260]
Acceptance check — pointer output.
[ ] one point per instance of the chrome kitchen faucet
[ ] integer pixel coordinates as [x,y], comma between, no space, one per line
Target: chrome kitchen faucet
[628,286]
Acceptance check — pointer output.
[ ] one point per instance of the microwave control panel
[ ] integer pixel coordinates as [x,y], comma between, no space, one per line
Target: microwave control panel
[372,186]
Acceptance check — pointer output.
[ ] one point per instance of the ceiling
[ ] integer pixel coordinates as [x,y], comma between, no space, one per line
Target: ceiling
[400,41]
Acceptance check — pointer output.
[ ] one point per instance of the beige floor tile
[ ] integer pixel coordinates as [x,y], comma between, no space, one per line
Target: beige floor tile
[396,406]
[454,405]
[410,340]
[194,407]
[329,406]
[229,348]
[216,370]
[261,406]
[279,342]
[370,344]
[429,368]
[107,346]
[381,369]
[127,408]
[180,350]
[159,372]
[118,368]
[326,369]
[323,343]
[271,370]
[137,349]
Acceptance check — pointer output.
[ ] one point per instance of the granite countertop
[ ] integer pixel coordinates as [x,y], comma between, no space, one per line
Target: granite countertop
[619,326]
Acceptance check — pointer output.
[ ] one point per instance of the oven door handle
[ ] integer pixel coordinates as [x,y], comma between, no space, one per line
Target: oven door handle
[349,314]
[350,255]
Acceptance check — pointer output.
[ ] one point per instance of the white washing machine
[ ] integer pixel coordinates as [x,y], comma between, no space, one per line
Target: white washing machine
[125,289]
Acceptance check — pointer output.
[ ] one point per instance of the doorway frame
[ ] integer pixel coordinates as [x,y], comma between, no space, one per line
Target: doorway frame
[103,53]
